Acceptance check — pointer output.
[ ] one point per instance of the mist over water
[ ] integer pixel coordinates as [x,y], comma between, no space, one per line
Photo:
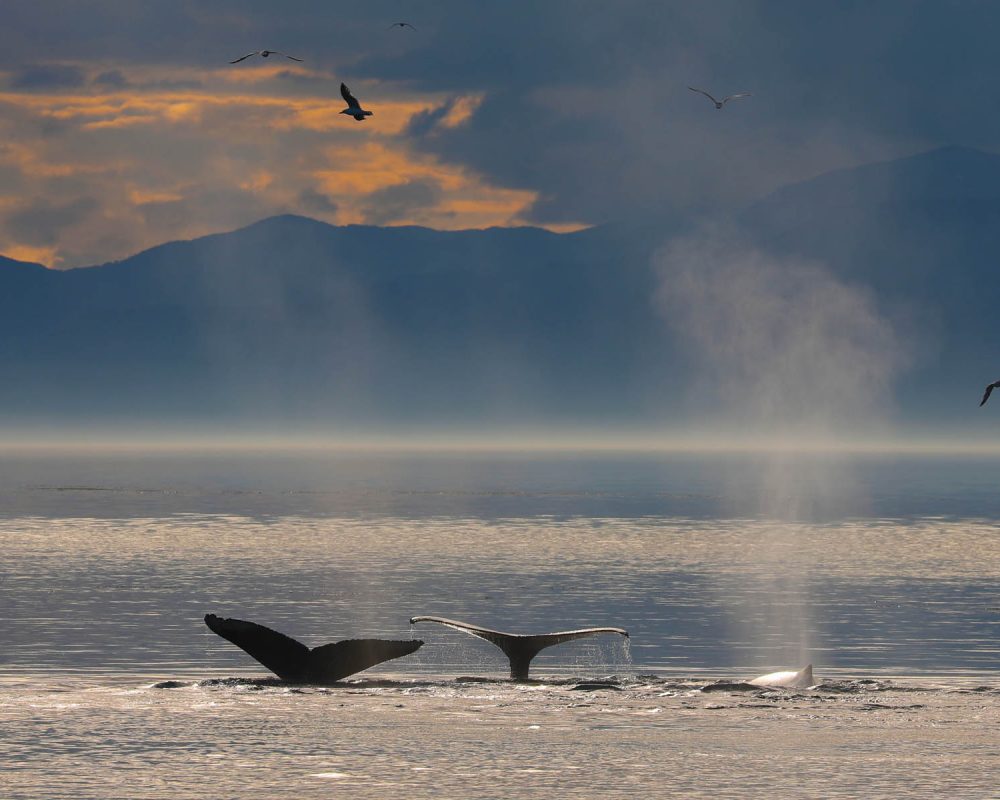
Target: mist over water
[784,351]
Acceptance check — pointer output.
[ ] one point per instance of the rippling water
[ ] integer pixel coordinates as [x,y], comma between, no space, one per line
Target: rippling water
[872,569]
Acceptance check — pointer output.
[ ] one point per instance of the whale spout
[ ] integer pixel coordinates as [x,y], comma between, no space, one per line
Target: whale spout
[520,648]
[802,679]
[292,661]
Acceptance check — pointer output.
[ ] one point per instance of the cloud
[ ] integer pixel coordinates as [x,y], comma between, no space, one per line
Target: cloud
[455,111]
[581,116]
[316,202]
[399,202]
[48,76]
[177,163]
[112,79]
[203,210]
[42,222]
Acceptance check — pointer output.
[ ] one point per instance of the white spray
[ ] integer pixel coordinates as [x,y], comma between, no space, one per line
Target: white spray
[786,355]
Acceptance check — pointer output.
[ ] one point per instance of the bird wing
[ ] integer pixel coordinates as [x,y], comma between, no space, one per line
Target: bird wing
[986,395]
[241,58]
[407,25]
[334,662]
[281,654]
[735,97]
[292,57]
[349,98]
[702,91]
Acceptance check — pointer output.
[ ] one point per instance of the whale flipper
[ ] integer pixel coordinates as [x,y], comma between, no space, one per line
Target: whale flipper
[802,679]
[520,648]
[292,661]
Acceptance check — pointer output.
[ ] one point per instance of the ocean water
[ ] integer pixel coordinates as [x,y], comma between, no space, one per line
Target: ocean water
[884,573]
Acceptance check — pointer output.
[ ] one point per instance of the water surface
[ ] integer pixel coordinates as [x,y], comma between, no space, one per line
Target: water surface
[873,569]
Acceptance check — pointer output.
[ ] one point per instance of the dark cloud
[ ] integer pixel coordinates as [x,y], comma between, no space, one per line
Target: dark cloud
[42,222]
[47,76]
[398,202]
[309,82]
[112,79]
[316,202]
[425,123]
[116,79]
[226,208]
[588,105]
[169,85]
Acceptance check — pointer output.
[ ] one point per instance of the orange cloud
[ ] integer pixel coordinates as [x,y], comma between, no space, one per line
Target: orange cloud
[31,160]
[47,256]
[282,113]
[258,182]
[142,196]
[468,202]
[461,110]
[236,137]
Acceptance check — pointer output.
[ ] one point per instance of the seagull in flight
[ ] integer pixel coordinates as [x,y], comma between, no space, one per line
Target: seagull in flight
[988,392]
[401,25]
[264,54]
[353,106]
[724,100]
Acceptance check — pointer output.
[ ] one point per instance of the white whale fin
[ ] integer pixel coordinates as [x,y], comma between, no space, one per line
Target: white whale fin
[802,679]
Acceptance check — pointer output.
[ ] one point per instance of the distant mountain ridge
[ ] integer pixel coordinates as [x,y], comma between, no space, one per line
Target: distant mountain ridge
[292,320]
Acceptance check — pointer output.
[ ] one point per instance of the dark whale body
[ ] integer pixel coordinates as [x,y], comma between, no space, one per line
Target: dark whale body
[520,648]
[292,661]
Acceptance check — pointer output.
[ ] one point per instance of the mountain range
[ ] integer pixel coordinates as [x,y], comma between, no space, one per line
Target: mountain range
[292,321]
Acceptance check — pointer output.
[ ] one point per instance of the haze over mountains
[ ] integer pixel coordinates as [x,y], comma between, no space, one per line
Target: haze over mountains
[292,322]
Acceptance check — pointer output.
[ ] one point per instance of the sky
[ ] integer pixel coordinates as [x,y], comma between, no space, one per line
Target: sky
[122,124]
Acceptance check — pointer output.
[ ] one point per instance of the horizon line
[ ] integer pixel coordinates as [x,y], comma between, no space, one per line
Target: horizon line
[499,442]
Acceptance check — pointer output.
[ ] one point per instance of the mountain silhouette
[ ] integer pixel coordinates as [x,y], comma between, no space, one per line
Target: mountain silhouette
[294,321]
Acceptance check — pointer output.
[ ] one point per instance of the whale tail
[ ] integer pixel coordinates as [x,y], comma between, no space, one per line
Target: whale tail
[519,648]
[292,661]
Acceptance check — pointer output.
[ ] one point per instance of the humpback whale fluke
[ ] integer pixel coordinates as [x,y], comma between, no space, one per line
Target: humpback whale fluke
[519,648]
[292,661]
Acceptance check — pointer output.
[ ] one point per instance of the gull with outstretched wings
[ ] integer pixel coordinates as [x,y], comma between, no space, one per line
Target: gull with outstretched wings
[724,100]
[401,25]
[264,54]
[354,108]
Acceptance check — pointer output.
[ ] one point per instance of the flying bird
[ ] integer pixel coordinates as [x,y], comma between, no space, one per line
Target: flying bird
[724,100]
[264,54]
[353,106]
[401,25]
[988,392]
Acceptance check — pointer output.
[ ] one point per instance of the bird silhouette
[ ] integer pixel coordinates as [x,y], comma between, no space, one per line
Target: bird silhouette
[264,54]
[354,108]
[724,100]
